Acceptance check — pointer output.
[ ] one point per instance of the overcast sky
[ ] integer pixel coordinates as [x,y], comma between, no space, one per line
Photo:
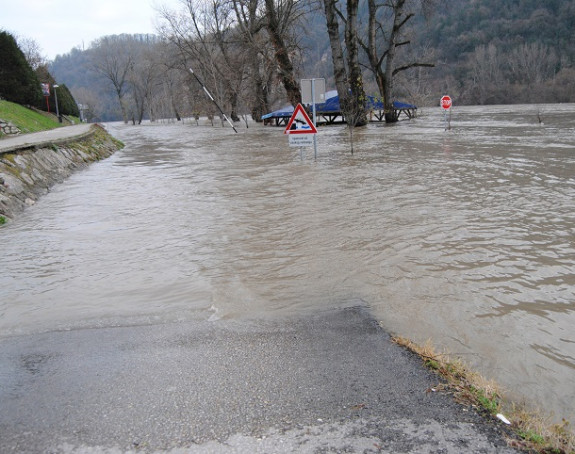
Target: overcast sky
[60,25]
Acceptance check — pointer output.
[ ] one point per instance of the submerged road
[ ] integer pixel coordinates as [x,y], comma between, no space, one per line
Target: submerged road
[330,382]
[333,382]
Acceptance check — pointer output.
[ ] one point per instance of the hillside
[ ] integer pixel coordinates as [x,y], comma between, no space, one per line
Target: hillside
[484,51]
[459,26]
[27,120]
[511,51]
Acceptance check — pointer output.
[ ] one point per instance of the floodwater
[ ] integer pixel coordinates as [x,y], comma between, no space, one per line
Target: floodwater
[464,236]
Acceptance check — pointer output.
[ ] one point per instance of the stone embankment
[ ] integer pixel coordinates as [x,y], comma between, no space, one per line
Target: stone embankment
[8,129]
[28,169]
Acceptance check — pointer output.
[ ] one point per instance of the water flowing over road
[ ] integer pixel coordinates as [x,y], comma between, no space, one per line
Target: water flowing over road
[464,236]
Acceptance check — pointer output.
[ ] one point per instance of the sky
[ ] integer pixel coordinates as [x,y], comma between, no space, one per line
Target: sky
[58,26]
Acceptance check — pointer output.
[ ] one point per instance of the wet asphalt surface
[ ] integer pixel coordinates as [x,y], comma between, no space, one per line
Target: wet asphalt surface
[331,382]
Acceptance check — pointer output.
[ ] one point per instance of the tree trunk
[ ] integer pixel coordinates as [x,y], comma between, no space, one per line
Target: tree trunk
[250,25]
[371,49]
[398,21]
[358,97]
[282,54]
[339,71]
[349,87]
[389,39]
[234,106]
[260,104]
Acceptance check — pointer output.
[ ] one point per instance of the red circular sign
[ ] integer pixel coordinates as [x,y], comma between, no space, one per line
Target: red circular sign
[446,102]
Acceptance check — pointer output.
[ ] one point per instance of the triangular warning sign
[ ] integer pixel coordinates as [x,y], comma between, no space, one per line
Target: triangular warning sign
[300,123]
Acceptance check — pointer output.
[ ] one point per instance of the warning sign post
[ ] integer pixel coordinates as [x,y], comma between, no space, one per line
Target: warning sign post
[300,129]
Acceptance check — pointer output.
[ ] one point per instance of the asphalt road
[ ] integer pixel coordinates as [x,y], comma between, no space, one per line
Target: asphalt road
[42,138]
[333,382]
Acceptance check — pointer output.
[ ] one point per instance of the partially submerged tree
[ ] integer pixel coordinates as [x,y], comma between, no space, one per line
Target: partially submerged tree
[143,77]
[261,66]
[280,17]
[386,33]
[205,38]
[113,58]
[174,93]
[239,48]
[347,72]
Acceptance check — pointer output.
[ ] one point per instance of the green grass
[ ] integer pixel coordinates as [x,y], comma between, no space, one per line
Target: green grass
[27,120]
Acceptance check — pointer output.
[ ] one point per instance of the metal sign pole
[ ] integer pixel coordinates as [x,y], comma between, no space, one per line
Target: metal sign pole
[313,117]
[446,104]
[313,90]
[213,100]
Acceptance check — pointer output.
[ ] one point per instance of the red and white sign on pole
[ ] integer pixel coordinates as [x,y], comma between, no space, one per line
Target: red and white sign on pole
[300,128]
[446,102]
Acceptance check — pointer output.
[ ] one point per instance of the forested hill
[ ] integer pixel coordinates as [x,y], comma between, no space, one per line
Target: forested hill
[459,26]
[504,51]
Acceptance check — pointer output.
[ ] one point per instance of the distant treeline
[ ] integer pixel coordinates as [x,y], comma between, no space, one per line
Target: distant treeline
[483,51]
[504,51]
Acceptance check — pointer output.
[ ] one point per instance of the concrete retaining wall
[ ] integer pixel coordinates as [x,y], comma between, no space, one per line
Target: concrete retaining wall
[28,173]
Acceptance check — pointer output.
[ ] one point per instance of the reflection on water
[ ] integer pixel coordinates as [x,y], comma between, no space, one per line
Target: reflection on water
[465,236]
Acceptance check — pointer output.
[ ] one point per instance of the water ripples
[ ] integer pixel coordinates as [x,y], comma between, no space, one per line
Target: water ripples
[464,236]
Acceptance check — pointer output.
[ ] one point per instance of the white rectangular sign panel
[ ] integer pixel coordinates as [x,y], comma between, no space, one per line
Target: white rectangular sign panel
[318,88]
[301,140]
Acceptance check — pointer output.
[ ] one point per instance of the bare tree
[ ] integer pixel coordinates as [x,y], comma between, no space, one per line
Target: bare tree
[32,51]
[205,36]
[280,16]
[388,27]
[357,98]
[416,84]
[144,78]
[233,65]
[175,98]
[487,73]
[250,16]
[112,57]
[532,64]
[563,85]
[347,72]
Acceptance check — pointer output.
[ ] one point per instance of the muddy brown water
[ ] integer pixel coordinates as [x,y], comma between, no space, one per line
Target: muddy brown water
[465,237]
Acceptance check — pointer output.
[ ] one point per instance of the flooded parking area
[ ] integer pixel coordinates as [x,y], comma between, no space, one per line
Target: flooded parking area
[465,236]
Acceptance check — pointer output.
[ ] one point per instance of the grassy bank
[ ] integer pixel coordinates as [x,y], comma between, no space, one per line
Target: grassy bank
[532,431]
[27,120]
